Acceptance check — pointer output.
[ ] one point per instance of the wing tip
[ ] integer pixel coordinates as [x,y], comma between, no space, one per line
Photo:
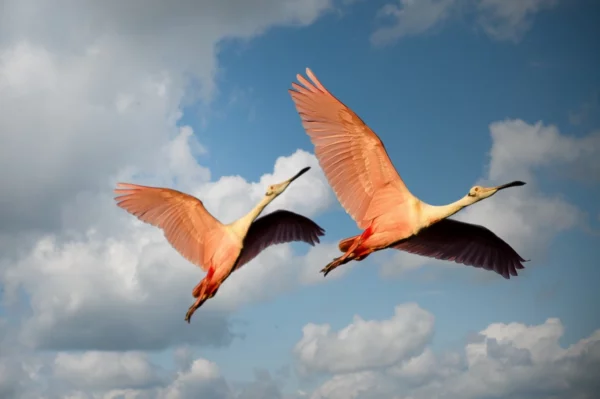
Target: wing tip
[122,188]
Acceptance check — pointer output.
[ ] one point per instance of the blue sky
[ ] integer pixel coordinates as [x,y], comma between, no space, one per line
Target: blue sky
[431,96]
[431,99]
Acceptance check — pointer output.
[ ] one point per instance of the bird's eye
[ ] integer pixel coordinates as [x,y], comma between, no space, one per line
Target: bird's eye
[476,189]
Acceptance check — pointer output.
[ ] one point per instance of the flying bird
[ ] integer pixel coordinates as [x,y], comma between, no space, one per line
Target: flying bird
[219,249]
[372,192]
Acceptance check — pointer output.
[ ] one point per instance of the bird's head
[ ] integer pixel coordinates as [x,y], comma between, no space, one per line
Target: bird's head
[276,189]
[478,193]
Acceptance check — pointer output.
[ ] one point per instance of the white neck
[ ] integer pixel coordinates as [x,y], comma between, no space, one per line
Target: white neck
[435,213]
[241,226]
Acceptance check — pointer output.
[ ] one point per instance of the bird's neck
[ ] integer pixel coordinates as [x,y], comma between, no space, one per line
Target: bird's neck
[435,213]
[242,225]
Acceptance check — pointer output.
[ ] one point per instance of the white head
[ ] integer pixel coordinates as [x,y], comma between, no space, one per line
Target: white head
[276,189]
[478,193]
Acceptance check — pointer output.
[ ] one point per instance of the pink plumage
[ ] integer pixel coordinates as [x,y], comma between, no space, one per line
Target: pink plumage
[200,238]
[372,192]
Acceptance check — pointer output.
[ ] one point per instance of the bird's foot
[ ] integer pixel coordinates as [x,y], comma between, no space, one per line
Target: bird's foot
[190,312]
[332,265]
[193,308]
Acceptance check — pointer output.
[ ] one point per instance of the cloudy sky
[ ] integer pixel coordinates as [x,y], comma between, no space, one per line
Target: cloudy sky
[193,95]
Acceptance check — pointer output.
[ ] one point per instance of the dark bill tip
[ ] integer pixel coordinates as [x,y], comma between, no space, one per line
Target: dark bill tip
[303,171]
[511,184]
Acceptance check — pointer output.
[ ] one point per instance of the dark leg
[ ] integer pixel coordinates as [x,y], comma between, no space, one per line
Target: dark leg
[350,253]
[203,291]
[342,260]
[192,309]
[198,289]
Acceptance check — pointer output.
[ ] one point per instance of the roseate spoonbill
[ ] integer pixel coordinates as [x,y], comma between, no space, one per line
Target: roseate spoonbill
[219,249]
[371,191]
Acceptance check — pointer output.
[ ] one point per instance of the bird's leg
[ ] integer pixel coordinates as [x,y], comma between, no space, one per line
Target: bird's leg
[335,263]
[192,309]
[362,238]
[198,288]
[209,293]
[201,293]
[349,255]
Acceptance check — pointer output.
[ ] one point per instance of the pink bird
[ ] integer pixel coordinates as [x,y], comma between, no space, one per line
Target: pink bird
[219,249]
[371,191]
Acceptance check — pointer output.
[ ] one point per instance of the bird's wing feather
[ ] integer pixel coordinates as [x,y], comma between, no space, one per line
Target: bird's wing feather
[277,228]
[465,243]
[352,156]
[183,219]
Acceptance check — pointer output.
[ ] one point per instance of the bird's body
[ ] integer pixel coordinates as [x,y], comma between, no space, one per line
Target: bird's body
[219,249]
[372,192]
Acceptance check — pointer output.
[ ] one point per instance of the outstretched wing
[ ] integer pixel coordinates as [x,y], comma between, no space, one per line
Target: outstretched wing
[277,228]
[351,155]
[182,217]
[465,243]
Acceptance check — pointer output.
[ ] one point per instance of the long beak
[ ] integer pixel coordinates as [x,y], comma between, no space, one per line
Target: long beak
[511,184]
[515,183]
[303,171]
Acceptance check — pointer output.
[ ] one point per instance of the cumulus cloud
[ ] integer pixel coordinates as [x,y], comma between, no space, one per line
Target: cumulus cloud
[231,197]
[365,344]
[112,375]
[105,85]
[105,370]
[128,284]
[504,360]
[367,359]
[94,96]
[520,149]
[502,20]
[202,379]
[527,217]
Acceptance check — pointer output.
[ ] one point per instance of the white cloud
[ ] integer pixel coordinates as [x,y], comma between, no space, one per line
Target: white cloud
[93,96]
[527,217]
[231,197]
[520,148]
[410,17]
[201,380]
[365,344]
[126,375]
[105,370]
[129,283]
[105,85]
[505,360]
[510,19]
[121,287]
[400,263]
[502,20]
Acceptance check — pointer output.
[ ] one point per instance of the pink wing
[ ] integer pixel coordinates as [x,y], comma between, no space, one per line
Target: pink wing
[352,156]
[465,243]
[277,228]
[182,217]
